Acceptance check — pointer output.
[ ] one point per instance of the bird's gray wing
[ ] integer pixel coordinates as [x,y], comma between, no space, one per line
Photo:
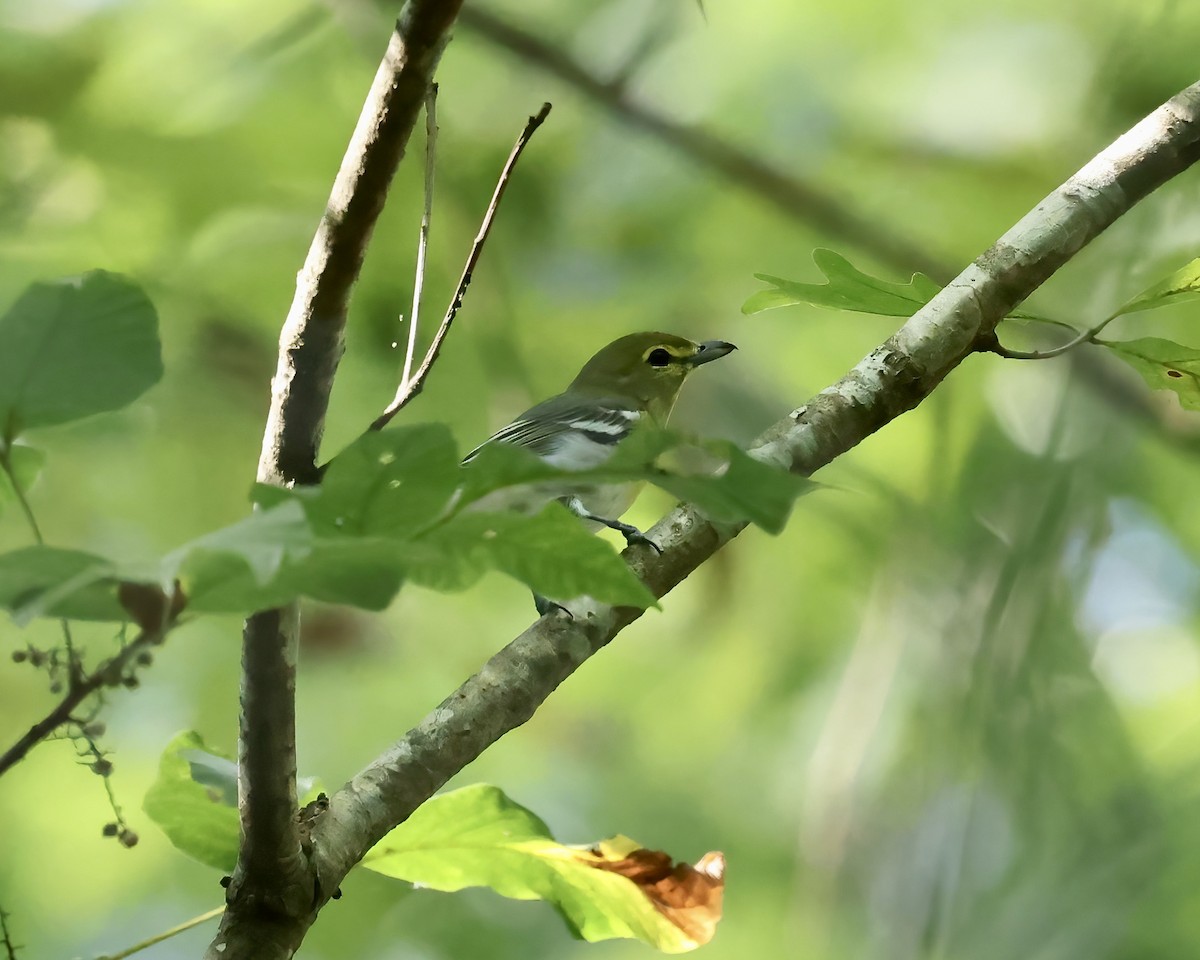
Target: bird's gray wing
[559,421]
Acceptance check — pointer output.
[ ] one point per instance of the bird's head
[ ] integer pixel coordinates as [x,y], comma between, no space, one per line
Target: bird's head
[647,367]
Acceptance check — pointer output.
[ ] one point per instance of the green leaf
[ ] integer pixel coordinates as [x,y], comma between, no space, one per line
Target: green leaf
[26,464]
[236,568]
[194,801]
[1182,285]
[848,289]
[502,466]
[273,556]
[550,552]
[363,572]
[72,348]
[387,483]
[746,489]
[49,581]
[478,837]
[1164,365]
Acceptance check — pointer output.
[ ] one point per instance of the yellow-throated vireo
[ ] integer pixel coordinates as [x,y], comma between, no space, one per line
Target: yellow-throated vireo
[634,378]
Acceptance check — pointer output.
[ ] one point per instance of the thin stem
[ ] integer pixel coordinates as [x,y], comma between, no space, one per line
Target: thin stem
[10,948]
[7,466]
[93,749]
[165,935]
[1087,336]
[108,674]
[74,667]
[431,132]
[409,390]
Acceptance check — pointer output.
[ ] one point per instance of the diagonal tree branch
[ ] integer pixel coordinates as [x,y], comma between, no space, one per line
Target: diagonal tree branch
[796,197]
[893,379]
[270,896]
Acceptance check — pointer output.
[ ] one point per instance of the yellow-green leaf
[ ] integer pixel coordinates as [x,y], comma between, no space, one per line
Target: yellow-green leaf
[478,837]
[848,288]
[1164,365]
[1183,284]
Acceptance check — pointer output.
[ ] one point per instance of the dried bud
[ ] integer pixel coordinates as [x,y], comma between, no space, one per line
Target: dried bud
[20,656]
[94,729]
[128,839]
[130,682]
[102,767]
[110,830]
[37,658]
[144,659]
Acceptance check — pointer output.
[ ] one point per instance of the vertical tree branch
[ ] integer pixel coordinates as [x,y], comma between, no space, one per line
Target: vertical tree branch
[272,896]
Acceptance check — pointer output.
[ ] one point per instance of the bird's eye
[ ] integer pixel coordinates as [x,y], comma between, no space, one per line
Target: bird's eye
[658,357]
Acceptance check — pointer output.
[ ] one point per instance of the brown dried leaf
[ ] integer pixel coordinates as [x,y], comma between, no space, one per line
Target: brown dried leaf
[690,897]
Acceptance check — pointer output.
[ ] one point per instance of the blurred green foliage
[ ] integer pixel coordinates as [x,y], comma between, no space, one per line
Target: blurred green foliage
[951,711]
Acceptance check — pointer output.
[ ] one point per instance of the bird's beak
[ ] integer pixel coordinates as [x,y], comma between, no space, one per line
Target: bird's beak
[710,350]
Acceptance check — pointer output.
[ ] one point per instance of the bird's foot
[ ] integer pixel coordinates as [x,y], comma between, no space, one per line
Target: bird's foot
[545,605]
[634,537]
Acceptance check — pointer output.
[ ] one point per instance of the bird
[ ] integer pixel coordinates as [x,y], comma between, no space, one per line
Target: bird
[635,379]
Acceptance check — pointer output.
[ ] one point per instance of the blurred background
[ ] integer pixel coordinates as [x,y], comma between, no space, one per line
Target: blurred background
[953,711]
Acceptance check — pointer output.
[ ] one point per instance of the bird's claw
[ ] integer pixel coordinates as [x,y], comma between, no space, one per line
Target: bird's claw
[636,537]
[545,605]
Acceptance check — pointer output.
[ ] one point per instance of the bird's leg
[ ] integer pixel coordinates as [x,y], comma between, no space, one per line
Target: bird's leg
[631,533]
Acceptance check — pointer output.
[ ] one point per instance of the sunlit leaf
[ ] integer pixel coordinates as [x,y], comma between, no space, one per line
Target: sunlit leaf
[72,348]
[1182,285]
[194,801]
[551,552]
[478,837]
[1164,365]
[848,288]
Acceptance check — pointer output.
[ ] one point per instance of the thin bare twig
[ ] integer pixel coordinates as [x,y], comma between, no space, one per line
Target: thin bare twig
[165,935]
[431,131]
[408,390]
[74,666]
[10,948]
[110,673]
[1087,336]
